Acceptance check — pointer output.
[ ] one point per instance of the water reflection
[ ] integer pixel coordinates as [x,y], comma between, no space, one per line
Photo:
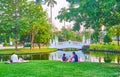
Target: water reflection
[81,56]
[88,56]
[58,55]
[36,56]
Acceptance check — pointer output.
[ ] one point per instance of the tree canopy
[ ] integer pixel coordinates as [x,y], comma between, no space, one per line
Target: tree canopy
[20,17]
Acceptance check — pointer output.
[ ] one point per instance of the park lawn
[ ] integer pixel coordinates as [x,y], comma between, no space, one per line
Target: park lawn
[44,68]
[27,50]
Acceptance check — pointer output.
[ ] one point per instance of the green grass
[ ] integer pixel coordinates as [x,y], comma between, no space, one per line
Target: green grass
[105,46]
[59,69]
[27,50]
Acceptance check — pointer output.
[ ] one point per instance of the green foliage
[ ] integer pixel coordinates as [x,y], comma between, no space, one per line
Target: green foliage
[27,50]
[94,13]
[67,34]
[5,43]
[107,39]
[70,49]
[107,59]
[105,46]
[27,45]
[25,38]
[21,18]
[43,36]
[115,31]
[86,34]
[94,37]
[76,27]
[78,37]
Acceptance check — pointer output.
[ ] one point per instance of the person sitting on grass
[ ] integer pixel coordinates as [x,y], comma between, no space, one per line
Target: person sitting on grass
[14,58]
[74,57]
[64,59]
[22,60]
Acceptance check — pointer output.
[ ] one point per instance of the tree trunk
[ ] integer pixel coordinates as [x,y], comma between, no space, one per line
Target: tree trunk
[100,59]
[64,23]
[39,45]
[32,40]
[51,14]
[16,44]
[23,43]
[118,40]
[118,60]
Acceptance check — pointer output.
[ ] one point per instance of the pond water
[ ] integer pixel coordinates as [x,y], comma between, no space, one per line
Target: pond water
[88,56]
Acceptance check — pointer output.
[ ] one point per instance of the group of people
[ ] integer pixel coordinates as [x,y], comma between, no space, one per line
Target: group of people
[15,58]
[74,58]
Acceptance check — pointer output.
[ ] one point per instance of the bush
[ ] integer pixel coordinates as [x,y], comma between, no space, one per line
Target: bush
[5,43]
[107,59]
[27,45]
[107,39]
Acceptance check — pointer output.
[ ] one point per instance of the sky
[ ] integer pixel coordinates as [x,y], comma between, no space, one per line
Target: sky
[56,9]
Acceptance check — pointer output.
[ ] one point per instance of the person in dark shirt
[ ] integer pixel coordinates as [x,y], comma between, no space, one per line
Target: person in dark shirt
[64,59]
[74,57]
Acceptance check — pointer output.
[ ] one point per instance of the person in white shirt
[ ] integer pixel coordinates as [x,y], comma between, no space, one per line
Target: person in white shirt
[14,58]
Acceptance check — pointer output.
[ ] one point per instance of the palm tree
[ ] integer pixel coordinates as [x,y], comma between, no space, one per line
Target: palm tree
[39,1]
[51,4]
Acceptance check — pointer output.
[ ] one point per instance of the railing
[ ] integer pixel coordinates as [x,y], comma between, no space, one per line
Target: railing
[68,44]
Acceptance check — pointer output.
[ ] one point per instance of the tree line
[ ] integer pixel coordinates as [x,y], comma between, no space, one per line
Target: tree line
[23,21]
[95,13]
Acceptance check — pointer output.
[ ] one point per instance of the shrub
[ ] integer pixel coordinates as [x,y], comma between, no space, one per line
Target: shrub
[107,59]
[107,39]
[27,45]
[5,43]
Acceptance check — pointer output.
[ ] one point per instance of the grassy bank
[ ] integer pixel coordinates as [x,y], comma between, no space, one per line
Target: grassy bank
[27,50]
[59,69]
[105,46]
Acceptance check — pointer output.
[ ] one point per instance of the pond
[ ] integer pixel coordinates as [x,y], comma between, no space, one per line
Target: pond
[89,56]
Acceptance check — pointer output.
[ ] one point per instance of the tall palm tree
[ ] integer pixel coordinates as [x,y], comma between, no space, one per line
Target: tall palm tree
[50,3]
[39,1]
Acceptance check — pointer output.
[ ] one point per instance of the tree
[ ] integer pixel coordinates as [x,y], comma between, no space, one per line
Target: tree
[94,37]
[86,34]
[29,20]
[61,15]
[107,39]
[11,11]
[51,4]
[94,12]
[43,35]
[115,30]
[36,18]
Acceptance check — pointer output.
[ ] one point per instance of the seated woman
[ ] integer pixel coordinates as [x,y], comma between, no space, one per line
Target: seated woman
[22,60]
